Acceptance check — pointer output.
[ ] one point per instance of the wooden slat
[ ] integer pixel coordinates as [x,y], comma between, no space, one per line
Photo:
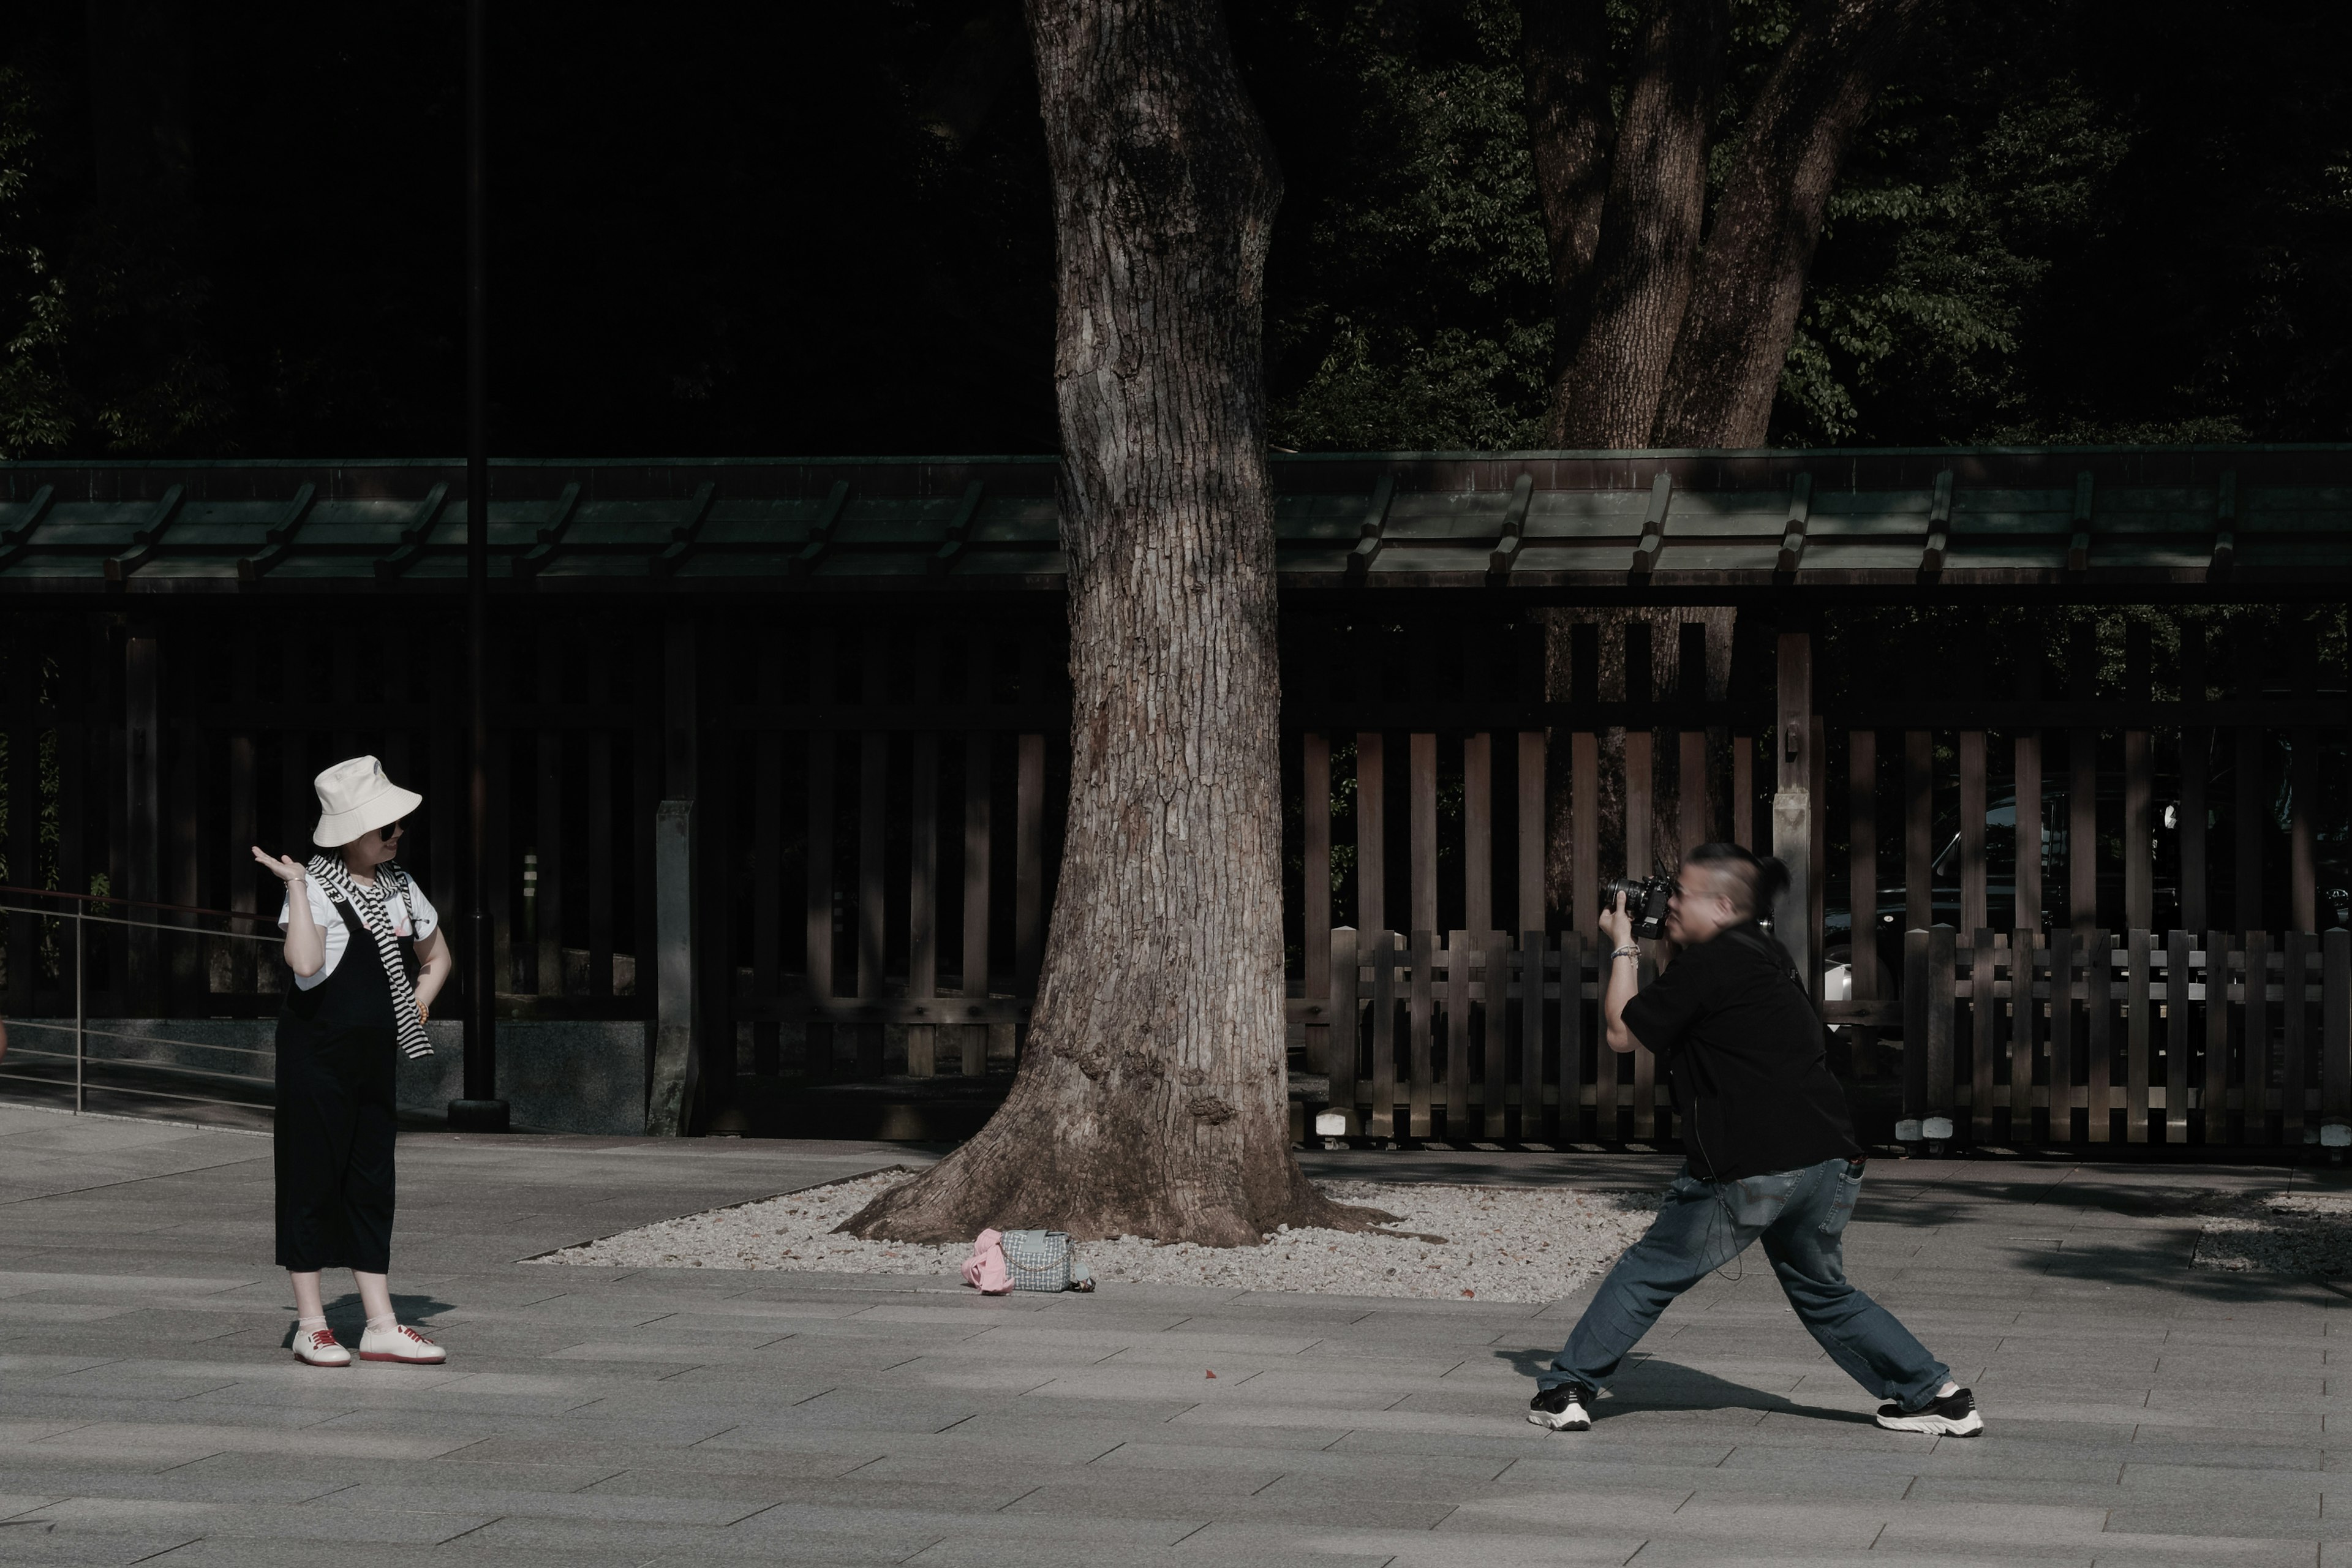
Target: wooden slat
[1381,1124]
[1346,1005]
[1371,832]
[818,902]
[1315,889]
[1459,960]
[1641,785]
[1610,1068]
[1973,912]
[1862,858]
[1743,789]
[2196,765]
[1029,862]
[550,828]
[767,860]
[978,747]
[1531,1032]
[2303,881]
[2255,1085]
[1420,788]
[1693,827]
[2294,1036]
[1918,1006]
[1938,1053]
[2139,787]
[873,794]
[1532,829]
[1984,1019]
[2176,1037]
[2083,786]
[25,822]
[2098,1039]
[2216,1095]
[1420,1017]
[1918,828]
[245,824]
[922,886]
[1478,833]
[1584,831]
[601,890]
[504,854]
[2335,1024]
[2024,1019]
[2250,799]
[2139,1062]
[1646,1069]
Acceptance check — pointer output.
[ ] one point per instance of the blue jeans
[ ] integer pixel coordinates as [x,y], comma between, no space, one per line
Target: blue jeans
[1801,1216]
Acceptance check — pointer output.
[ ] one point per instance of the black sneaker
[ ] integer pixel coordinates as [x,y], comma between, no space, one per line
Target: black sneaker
[1562,1408]
[1953,1415]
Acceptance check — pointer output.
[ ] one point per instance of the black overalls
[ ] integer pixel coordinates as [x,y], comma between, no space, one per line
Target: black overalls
[336,1066]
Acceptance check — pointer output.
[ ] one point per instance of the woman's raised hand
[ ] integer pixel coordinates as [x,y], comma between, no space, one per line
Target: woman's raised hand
[285,867]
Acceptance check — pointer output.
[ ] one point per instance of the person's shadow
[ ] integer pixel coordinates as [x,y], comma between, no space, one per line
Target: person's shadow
[1646,1383]
[348,1319]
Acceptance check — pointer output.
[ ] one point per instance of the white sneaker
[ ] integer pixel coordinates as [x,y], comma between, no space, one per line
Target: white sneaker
[318,1347]
[401,1343]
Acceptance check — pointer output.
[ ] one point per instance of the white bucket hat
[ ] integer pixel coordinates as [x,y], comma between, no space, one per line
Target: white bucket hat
[354,797]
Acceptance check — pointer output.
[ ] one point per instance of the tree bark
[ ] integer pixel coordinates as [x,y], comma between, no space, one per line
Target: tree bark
[1751,275]
[1563,61]
[1623,325]
[1150,1097]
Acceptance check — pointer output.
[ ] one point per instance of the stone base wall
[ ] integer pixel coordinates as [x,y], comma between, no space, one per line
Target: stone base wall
[558,1076]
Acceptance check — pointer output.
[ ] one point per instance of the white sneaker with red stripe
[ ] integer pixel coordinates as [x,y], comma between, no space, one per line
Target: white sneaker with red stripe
[401,1343]
[318,1347]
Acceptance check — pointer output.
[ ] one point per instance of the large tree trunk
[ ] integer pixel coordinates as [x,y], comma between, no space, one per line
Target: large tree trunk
[1151,1099]
[1750,285]
[1563,62]
[1623,323]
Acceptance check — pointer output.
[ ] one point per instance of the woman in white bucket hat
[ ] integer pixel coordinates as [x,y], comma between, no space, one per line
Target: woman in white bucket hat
[368,958]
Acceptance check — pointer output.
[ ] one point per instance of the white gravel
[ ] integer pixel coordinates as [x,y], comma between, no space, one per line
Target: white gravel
[2284,1233]
[1502,1244]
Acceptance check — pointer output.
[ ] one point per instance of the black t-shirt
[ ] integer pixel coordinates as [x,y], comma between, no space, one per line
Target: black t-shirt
[1743,1050]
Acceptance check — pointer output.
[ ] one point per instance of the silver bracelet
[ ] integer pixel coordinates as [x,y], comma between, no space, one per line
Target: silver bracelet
[1628,950]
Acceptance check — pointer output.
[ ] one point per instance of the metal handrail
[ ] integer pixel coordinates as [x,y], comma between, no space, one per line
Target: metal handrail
[163,1066]
[135,903]
[81,917]
[151,1039]
[144,925]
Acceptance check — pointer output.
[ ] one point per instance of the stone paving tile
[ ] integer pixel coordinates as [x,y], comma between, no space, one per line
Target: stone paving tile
[868,1419]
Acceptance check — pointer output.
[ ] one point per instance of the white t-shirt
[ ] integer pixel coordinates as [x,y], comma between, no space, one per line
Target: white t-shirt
[413,916]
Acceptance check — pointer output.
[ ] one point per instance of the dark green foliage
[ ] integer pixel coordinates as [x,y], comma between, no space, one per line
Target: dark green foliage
[735,230]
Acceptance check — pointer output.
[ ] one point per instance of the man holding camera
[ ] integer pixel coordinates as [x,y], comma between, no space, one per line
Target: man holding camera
[1771,1152]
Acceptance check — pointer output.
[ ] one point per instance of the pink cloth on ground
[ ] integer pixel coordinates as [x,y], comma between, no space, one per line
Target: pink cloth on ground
[985,1267]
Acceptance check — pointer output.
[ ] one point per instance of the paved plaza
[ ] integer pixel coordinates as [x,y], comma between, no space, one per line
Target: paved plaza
[149,1411]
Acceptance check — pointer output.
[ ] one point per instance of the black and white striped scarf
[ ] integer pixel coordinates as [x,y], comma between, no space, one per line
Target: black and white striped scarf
[331,874]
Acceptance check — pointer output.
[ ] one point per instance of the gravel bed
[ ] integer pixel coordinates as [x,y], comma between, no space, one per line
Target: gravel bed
[2287,1233]
[1502,1244]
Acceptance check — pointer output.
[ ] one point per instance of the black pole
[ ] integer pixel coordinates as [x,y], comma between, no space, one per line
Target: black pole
[481,1111]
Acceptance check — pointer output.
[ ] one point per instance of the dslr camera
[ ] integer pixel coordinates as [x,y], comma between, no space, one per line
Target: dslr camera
[1645,901]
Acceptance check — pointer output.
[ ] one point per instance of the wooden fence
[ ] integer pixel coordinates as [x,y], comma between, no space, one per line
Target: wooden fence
[2134,1037]
[877,799]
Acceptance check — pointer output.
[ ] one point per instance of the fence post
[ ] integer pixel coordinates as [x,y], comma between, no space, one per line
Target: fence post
[1914,1025]
[81,1009]
[1339,1058]
[2335,1026]
[670,1103]
[1942,955]
[1793,804]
